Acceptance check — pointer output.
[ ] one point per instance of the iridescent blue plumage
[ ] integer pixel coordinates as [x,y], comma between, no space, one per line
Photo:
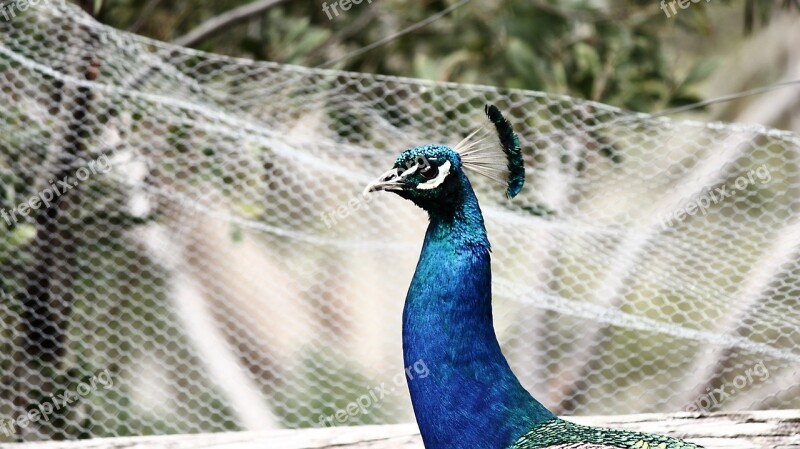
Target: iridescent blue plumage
[472,399]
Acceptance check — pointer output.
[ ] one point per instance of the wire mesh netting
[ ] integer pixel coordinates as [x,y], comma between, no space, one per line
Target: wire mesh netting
[186,248]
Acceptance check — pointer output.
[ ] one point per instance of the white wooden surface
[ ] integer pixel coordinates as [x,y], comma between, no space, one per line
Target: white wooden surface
[773,429]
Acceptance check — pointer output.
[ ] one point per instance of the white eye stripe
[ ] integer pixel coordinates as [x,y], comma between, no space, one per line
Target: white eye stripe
[410,171]
[444,170]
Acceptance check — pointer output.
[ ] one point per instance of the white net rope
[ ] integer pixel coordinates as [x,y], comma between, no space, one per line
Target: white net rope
[213,265]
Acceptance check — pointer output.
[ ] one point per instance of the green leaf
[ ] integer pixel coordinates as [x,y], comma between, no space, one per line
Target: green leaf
[587,61]
[251,210]
[311,38]
[236,233]
[523,60]
[22,235]
[700,71]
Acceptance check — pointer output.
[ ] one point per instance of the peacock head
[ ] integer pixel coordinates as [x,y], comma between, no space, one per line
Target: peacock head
[432,176]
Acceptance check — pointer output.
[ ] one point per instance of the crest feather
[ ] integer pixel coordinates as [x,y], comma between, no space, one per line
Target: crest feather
[501,163]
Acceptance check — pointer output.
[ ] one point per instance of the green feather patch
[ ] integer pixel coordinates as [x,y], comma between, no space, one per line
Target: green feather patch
[564,434]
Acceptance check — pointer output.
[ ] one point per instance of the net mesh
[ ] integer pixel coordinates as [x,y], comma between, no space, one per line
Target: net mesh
[200,257]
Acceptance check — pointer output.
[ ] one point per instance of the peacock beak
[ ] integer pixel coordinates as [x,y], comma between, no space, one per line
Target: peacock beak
[391,180]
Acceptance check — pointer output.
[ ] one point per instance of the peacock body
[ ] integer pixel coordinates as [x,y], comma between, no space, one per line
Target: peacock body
[473,400]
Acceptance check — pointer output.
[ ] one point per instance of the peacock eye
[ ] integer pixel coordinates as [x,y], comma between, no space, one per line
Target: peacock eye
[429,171]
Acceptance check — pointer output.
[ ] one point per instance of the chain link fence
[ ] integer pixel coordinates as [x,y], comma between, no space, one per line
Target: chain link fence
[186,249]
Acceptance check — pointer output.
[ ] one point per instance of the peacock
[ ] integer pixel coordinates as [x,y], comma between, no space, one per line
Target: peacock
[474,400]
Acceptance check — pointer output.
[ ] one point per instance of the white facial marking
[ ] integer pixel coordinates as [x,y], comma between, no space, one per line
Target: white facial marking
[409,171]
[444,170]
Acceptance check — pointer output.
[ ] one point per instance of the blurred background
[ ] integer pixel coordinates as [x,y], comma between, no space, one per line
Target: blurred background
[629,54]
[214,256]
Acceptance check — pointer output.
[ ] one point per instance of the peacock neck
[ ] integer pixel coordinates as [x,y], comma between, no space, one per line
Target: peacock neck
[471,399]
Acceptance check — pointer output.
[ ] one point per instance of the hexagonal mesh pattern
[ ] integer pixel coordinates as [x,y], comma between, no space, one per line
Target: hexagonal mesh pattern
[186,248]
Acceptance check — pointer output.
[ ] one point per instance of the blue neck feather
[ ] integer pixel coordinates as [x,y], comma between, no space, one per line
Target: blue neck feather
[471,398]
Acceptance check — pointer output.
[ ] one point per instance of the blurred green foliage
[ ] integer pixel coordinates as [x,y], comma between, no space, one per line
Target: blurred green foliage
[616,53]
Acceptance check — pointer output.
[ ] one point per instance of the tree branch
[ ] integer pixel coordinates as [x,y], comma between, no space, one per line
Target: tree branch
[144,15]
[219,23]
